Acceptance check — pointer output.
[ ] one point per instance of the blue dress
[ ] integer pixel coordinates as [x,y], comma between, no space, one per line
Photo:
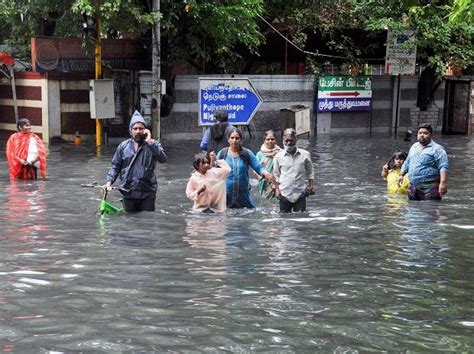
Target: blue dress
[237,183]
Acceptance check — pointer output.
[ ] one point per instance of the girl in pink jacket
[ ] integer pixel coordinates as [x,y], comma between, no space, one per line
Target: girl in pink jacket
[206,186]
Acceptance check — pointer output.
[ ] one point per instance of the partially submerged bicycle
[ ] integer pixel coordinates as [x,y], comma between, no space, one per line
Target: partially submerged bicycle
[105,207]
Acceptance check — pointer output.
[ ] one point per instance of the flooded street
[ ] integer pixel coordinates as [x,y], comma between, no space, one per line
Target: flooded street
[358,272]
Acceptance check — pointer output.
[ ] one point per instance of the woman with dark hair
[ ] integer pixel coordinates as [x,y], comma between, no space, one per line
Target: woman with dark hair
[240,159]
[265,156]
[26,152]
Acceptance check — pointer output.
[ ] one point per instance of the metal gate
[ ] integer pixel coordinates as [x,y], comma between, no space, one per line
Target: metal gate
[456,106]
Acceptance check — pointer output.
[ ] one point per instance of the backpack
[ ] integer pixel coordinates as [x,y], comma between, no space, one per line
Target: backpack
[218,136]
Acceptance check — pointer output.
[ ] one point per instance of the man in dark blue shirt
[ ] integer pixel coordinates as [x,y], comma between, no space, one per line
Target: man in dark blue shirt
[427,166]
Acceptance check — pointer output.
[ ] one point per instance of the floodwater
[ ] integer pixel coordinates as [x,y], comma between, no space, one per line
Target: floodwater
[358,272]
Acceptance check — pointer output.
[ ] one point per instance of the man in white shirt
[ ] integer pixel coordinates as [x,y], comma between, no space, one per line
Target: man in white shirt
[293,171]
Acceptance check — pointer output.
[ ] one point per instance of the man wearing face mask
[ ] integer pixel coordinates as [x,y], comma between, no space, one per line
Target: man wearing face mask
[293,171]
[135,161]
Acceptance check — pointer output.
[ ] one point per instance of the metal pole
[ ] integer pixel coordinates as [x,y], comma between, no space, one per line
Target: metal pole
[156,74]
[370,123]
[286,58]
[15,102]
[397,109]
[98,71]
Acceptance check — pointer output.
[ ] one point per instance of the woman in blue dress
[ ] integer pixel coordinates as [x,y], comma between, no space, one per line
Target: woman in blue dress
[240,159]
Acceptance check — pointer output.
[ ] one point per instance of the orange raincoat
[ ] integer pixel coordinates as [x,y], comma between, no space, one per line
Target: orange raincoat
[17,149]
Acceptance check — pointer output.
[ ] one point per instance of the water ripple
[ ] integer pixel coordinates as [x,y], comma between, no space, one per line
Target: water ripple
[358,272]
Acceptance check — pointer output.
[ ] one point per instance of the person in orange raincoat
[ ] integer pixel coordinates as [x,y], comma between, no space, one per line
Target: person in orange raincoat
[26,152]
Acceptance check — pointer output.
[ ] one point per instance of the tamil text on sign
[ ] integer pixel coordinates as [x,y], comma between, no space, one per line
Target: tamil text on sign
[237,96]
[344,93]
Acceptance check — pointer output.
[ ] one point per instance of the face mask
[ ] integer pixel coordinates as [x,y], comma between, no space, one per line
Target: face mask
[139,138]
[291,149]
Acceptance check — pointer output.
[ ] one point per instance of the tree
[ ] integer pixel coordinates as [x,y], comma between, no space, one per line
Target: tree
[329,31]
[212,36]
[442,43]
[354,31]
[17,24]
[206,33]
[22,19]
[198,32]
[462,11]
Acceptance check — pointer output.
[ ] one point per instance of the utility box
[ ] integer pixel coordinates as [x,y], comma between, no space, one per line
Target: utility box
[296,117]
[101,98]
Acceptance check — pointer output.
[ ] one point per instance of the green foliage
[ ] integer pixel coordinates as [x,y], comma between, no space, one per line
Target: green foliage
[440,42]
[215,35]
[195,31]
[121,17]
[334,23]
[207,32]
[22,19]
[462,11]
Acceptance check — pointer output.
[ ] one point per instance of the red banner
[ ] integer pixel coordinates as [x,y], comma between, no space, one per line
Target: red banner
[68,55]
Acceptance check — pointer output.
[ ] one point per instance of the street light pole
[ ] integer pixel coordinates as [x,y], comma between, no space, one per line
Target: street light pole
[98,70]
[156,74]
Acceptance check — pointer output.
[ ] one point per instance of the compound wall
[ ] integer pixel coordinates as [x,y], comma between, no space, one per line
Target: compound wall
[280,91]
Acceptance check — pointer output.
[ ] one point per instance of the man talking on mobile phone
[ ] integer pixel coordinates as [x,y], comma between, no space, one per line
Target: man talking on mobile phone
[134,162]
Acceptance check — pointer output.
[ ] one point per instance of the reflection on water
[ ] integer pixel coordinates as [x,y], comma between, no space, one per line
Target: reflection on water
[206,234]
[25,209]
[423,237]
[360,271]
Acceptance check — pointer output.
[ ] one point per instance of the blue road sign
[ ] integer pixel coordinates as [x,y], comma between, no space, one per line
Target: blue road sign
[237,96]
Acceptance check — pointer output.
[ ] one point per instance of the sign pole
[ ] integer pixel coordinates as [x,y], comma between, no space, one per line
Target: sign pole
[397,109]
[98,71]
[156,75]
